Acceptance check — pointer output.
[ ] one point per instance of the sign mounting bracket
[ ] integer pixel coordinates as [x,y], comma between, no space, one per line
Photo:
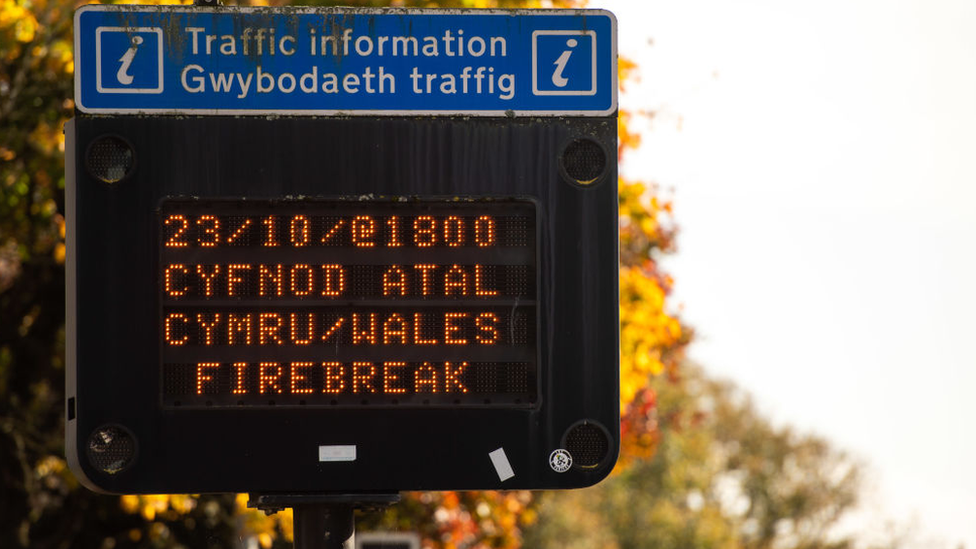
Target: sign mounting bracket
[323,521]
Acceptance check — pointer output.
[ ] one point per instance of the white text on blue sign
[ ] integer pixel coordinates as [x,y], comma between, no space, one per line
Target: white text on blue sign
[295,61]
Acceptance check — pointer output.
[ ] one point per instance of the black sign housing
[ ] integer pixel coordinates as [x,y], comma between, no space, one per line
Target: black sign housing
[469,282]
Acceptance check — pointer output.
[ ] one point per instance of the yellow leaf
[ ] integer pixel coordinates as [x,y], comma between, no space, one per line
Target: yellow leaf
[25,28]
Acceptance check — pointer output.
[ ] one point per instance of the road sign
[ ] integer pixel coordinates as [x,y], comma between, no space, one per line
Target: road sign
[177,59]
[339,304]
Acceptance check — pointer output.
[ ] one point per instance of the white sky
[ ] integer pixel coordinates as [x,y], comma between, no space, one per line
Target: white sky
[823,161]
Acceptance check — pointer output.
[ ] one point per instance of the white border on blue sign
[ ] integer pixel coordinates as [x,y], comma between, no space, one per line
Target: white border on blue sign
[535,60]
[344,11]
[98,60]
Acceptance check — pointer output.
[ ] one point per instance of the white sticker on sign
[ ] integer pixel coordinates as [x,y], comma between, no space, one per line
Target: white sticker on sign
[337,453]
[502,466]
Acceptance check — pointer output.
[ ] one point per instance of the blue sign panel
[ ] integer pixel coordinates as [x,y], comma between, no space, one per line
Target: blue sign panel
[178,59]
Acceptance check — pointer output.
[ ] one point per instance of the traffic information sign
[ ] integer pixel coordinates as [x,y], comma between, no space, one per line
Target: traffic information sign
[302,61]
[341,304]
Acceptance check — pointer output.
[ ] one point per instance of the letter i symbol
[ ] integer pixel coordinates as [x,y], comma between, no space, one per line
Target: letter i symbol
[123,75]
[557,77]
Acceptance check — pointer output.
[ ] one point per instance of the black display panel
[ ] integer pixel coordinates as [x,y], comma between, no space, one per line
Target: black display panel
[455,280]
[348,303]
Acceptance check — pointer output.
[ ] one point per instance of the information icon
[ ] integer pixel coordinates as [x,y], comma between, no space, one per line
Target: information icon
[563,62]
[129,59]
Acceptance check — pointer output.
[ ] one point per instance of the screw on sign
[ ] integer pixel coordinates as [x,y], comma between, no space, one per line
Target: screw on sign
[560,461]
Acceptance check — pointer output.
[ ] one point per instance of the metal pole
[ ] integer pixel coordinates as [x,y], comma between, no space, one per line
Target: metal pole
[323,521]
[324,526]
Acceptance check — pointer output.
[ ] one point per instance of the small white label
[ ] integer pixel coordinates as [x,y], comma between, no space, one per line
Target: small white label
[560,460]
[502,466]
[337,453]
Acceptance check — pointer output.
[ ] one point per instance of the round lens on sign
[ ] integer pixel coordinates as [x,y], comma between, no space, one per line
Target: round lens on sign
[110,159]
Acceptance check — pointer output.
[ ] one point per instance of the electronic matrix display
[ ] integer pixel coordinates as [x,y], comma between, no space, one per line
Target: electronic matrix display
[412,303]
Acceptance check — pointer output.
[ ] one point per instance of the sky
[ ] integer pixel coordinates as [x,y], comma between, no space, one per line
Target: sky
[822,160]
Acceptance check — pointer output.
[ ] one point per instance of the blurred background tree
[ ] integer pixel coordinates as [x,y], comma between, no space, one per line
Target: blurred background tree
[698,467]
[722,477]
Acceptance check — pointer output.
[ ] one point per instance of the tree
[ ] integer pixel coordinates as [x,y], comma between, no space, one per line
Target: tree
[722,477]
